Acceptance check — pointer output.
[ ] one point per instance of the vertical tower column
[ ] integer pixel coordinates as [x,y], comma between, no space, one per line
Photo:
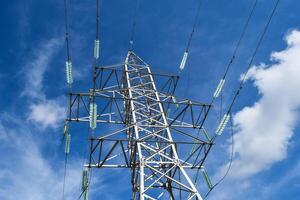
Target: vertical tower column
[159,166]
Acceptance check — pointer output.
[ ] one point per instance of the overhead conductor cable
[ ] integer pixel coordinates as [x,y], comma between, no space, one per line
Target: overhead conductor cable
[68,62]
[93,105]
[133,25]
[96,43]
[186,53]
[69,77]
[230,161]
[253,55]
[221,84]
[226,117]
[222,81]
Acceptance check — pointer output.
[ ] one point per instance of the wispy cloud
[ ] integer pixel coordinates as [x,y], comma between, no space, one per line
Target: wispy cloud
[36,67]
[47,114]
[25,173]
[43,111]
[265,129]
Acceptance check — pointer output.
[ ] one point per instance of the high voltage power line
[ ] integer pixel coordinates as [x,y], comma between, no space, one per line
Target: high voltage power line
[254,55]
[66,134]
[186,53]
[134,21]
[149,113]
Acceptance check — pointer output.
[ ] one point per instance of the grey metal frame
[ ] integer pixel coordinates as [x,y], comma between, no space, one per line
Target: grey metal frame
[158,136]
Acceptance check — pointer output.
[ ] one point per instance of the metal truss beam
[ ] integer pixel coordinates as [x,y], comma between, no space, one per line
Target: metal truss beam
[156,133]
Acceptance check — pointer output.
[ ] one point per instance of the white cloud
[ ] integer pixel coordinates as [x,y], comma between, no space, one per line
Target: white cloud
[35,68]
[26,174]
[2,132]
[44,112]
[265,129]
[47,114]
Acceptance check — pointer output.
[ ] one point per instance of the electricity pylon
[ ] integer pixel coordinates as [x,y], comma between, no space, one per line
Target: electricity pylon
[156,135]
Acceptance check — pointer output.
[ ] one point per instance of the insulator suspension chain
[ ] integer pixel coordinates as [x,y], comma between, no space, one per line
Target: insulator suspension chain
[69,72]
[93,115]
[183,61]
[186,53]
[222,124]
[206,177]
[85,184]
[96,49]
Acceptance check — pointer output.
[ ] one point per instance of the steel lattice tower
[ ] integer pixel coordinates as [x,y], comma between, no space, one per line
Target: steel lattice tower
[158,136]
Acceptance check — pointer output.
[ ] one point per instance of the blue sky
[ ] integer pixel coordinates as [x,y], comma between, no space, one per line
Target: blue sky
[32,76]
